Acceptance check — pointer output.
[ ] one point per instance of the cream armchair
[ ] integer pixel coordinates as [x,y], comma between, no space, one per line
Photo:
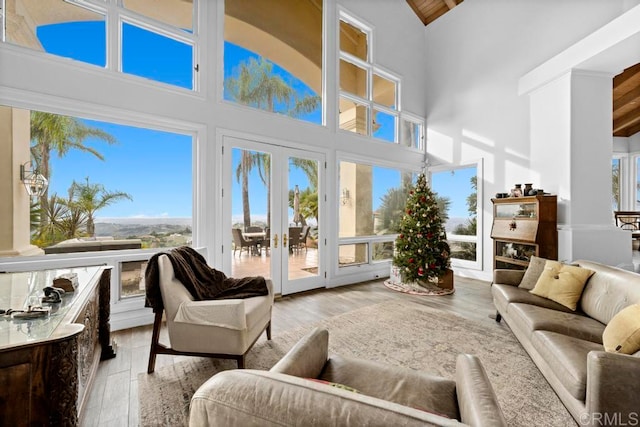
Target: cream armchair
[387,395]
[225,328]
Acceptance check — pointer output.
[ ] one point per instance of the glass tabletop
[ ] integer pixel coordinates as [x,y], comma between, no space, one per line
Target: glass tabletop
[20,290]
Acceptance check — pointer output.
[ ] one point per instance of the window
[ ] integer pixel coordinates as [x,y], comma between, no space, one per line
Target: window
[289,34]
[169,61]
[60,28]
[457,191]
[369,100]
[158,41]
[371,205]
[615,184]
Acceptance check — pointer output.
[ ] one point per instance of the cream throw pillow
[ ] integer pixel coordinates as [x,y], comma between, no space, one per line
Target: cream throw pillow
[562,283]
[622,334]
[533,272]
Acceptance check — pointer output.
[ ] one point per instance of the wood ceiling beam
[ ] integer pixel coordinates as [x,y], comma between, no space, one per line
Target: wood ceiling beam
[631,131]
[417,11]
[627,74]
[451,3]
[628,98]
[629,119]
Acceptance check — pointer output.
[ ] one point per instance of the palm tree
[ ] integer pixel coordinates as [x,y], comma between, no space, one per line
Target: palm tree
[53,132]
[242,175]
[256,85]
[90,198]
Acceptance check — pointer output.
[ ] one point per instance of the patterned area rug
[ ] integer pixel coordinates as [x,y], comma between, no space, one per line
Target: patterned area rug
[399,333]
[427,289]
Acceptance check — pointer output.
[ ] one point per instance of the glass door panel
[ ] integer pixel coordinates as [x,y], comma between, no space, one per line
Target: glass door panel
[301,266]
[250,212]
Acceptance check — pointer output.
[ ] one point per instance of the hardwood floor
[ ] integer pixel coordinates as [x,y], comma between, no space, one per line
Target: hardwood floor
[113,400]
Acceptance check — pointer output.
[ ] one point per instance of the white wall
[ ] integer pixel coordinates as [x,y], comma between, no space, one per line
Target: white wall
[476,54]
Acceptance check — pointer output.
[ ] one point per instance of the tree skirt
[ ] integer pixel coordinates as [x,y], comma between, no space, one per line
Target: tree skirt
[416,289]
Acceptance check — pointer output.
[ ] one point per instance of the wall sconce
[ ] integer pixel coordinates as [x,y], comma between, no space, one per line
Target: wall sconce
[35,183]
[345,197]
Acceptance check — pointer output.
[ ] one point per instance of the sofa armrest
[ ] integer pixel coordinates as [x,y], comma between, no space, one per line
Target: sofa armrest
[226,313]
[508,277]
[612,387]
[307,358]
[477,401]
[257,398]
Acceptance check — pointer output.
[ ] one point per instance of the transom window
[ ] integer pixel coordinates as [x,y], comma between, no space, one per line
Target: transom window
[156,40]
[369,96]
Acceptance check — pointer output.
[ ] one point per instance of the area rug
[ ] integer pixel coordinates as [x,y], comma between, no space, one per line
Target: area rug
[427,289]
[398,333]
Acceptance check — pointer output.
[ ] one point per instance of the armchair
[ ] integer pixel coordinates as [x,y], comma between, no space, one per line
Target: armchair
[386,395]
[225,328]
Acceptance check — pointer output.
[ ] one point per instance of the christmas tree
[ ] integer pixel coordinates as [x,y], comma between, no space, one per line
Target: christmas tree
[422,251]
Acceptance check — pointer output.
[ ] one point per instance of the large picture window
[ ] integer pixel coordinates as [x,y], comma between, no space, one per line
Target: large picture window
[371,205]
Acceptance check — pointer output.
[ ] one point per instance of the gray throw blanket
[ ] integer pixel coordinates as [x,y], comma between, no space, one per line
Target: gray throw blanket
[202,281]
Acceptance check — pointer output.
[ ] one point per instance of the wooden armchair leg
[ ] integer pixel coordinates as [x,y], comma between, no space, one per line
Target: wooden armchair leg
[269,331]
[157,324]
[241,362]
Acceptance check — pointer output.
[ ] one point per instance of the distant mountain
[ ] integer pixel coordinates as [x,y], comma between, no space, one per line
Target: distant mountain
[137,227]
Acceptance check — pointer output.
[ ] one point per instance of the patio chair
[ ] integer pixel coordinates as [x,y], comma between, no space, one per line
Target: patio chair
[294,238]
[304,234]
[266,242]
[241,243]
[254,229]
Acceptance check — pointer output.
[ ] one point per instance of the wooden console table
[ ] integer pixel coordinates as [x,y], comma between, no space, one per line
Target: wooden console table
[47,364]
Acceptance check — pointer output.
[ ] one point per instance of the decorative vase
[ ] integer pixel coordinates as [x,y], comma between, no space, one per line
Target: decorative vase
[517,191]
[528,190]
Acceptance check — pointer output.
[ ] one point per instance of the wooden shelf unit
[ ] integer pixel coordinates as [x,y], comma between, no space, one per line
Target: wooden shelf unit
[522,227]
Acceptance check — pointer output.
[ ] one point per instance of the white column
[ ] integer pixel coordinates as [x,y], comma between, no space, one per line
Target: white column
[14,205]
[571,150]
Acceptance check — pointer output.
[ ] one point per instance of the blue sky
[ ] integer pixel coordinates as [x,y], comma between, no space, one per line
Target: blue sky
[456,185]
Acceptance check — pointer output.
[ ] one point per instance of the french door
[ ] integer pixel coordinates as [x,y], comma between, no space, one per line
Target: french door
[272,220]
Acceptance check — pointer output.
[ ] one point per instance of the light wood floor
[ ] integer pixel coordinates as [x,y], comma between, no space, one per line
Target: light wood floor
[113,400]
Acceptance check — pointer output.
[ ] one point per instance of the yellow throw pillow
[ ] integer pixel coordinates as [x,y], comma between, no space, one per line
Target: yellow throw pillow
[622,334]
[562,283]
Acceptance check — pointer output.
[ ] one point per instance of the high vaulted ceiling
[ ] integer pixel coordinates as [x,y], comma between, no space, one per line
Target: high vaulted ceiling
[626,86]
[429,10]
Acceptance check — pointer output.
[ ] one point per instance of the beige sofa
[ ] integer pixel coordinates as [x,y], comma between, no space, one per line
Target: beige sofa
[597,387]
[387,395]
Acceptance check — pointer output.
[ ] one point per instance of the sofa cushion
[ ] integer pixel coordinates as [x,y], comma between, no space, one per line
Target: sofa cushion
[567,358]
[562,283]
[403,386]
[507,294]
[533,318]
[533,272]
[622,334]
[608,291]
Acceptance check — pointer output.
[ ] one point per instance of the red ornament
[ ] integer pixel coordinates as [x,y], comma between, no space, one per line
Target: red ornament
[423,199]
[401,236]
[420,271]
[408,211]
[432,266]
[429,235]
[410,260]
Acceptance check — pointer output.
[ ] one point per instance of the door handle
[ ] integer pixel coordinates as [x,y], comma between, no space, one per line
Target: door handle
[284,240]
[275,241]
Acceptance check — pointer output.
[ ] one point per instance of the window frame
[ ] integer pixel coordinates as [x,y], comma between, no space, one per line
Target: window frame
[478,239]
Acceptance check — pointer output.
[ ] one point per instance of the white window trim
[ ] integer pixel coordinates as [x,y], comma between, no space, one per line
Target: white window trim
[478,239]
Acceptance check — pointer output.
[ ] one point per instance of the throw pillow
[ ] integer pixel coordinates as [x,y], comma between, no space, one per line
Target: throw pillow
[562,283]
[622,334]
[533,272]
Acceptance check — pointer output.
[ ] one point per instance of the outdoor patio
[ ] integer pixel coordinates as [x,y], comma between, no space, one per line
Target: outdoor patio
[302,263]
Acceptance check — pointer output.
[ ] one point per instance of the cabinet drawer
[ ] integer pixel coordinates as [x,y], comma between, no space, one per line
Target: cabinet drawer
[515,229]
